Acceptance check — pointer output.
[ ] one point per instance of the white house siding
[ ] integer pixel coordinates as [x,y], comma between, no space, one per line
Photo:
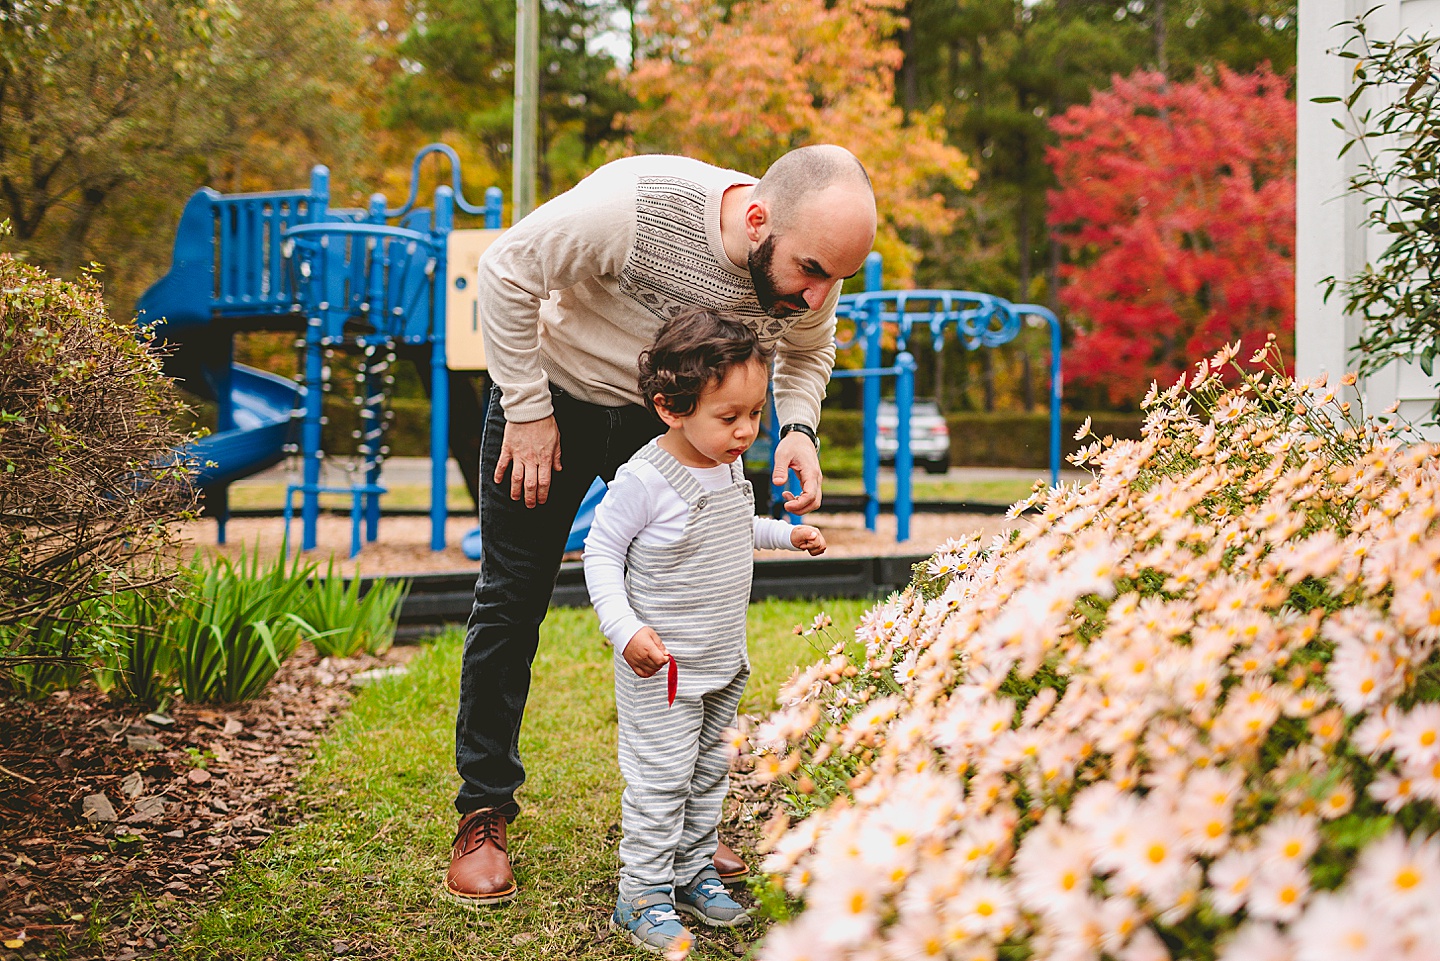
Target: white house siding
[1330,240]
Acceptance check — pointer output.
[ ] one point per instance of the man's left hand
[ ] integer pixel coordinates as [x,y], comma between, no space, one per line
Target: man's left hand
[797,452]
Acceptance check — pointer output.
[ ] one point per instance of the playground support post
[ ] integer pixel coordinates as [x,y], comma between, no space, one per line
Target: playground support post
[904,457]
[370,425]
[439,372]
[1056,380]
[870,395]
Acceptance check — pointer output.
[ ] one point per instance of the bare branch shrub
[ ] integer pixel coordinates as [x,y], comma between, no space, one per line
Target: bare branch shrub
[89,476]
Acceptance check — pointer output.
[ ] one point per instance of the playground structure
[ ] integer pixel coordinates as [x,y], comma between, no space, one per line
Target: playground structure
[382,283]
[351,280]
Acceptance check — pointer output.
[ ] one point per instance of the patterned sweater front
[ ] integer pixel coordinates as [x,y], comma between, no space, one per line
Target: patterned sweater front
[574,292]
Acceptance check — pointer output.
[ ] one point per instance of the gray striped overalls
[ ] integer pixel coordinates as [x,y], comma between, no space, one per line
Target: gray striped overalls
[693,592]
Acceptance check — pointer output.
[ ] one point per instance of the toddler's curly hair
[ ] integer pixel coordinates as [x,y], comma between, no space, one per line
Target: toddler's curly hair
[690,351]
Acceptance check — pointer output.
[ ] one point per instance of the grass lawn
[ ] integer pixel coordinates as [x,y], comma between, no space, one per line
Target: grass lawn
[999,491]
[360,875]
[401,496]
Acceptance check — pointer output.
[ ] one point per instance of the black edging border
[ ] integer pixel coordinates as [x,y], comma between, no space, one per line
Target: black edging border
[437,600]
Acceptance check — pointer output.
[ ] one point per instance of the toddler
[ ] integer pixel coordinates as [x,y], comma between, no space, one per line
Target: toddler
[668,563]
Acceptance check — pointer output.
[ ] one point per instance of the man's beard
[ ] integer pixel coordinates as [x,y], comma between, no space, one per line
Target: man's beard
[771,300]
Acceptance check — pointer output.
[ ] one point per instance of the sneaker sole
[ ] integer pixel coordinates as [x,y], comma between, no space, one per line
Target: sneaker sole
[478,900]
[635,939]
[740,921]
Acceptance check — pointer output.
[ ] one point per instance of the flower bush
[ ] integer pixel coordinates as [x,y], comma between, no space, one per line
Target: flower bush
[1189,712]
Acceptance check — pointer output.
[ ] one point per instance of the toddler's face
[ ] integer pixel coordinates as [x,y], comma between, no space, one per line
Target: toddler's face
[726,418]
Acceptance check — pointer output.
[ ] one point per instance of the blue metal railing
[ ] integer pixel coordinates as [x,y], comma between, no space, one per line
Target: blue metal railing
[978,319]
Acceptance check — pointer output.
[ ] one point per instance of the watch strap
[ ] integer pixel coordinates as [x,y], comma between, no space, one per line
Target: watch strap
[805,429]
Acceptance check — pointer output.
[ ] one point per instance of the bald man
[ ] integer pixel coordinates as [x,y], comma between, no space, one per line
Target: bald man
[568,299]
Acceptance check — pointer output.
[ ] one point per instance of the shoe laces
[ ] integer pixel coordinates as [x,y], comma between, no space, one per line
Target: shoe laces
[480,831]
[710,887]
[659,914]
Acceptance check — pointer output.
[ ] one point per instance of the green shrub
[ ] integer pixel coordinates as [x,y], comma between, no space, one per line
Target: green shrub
[89,481]
[1398,295]
[236,626]
[142,665]
[345,622]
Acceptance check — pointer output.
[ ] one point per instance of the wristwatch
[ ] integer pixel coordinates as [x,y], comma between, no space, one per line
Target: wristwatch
[805,429]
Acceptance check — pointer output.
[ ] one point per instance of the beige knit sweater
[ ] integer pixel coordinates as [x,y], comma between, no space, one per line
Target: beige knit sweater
[577,289]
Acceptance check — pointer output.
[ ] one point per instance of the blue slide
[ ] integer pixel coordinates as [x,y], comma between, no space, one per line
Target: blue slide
[262,403]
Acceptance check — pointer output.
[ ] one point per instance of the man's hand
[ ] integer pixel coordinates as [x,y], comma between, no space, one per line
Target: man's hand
[534,450]
[797,452]
[806,538]
[645,653]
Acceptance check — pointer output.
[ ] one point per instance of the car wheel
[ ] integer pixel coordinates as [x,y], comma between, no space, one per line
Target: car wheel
[936,466]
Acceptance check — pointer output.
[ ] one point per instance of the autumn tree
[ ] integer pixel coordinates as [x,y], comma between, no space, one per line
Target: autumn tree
[739,84]
[1176,202]
[112,113]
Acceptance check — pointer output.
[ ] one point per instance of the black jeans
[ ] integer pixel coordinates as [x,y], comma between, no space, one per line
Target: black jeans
[521,551]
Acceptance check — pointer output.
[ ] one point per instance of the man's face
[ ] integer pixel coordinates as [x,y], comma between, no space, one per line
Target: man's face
[767,288]
[795,270]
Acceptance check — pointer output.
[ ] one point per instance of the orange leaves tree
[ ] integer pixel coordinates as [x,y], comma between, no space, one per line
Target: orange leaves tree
[739,84]
[1176,204]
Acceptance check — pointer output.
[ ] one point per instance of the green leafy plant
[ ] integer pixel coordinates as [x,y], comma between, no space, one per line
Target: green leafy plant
[346,621]
[1398,142]
[139,665]
[237,625]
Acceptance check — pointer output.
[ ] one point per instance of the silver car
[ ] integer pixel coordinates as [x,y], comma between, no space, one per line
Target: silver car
[929,435]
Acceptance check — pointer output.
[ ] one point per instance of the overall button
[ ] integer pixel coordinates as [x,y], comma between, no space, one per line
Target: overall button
[700,504]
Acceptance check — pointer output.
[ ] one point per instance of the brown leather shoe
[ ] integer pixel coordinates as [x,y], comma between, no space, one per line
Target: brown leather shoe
[479,865]
[728,865]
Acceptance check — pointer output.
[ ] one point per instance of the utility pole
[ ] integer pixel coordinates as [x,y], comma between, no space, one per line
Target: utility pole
[527,96]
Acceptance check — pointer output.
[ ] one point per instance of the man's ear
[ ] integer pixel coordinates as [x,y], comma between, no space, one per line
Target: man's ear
[757,221]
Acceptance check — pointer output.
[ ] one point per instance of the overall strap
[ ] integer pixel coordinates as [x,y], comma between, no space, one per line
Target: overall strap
[673,471]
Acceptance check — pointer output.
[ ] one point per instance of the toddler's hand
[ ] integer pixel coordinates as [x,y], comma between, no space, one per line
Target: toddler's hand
[645,653]
[805,538]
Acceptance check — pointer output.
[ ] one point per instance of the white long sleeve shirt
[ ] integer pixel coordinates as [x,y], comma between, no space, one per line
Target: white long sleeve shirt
[641,505]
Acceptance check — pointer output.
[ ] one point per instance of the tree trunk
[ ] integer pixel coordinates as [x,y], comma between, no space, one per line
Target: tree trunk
[1027,382]
[988,378]
[1022,240]
[72,246]
[909,97]
[1162,61]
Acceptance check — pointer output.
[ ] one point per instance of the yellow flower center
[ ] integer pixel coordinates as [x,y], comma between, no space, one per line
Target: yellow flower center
[857,903]
[1156,853]
[1292,848]
[1427,738]
[1407,879]
[1068,880]
[984,909]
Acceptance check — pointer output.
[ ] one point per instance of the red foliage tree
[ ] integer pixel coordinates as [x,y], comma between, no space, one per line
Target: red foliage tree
[1177,207]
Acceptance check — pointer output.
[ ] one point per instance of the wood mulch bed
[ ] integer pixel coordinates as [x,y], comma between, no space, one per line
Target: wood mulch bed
[102,805]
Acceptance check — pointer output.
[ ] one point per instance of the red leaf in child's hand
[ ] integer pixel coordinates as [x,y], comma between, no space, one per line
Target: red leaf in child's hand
[672,682]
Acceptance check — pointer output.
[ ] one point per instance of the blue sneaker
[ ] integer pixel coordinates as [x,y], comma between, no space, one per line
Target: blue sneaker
[650,922]
[706,900]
